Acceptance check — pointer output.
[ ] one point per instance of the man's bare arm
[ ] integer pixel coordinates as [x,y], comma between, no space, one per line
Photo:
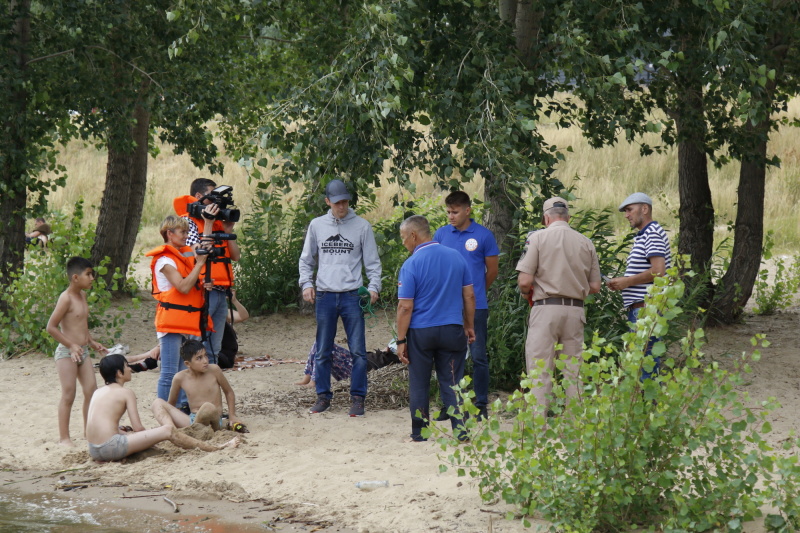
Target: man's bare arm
[404,309]
[492,269]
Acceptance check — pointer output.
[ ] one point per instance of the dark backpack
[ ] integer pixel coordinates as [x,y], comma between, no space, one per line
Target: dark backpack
[230,347]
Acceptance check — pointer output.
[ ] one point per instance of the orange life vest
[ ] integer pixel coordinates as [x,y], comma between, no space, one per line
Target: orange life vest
[221,269]
[177,312]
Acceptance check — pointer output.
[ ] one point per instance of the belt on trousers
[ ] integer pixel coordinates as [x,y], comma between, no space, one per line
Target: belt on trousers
[559,301]
[636,305]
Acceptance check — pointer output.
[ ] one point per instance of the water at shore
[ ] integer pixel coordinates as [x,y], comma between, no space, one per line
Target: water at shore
[46,513]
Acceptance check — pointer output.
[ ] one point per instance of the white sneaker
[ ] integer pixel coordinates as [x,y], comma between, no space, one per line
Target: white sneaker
[119,349]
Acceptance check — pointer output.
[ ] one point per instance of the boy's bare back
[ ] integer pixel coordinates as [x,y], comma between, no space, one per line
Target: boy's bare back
[108,405]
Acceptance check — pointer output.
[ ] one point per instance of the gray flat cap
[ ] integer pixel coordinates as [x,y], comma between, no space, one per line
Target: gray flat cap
[635,198]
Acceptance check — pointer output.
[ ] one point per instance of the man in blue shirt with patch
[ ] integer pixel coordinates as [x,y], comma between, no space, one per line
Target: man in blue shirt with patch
[478,247]
[435,316]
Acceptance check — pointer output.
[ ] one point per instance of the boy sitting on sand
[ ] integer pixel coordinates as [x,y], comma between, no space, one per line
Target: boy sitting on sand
[108,441]
[204,384]
[69,325]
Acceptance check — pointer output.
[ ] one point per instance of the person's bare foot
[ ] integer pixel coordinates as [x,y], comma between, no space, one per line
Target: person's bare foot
[66,442]
[233,443]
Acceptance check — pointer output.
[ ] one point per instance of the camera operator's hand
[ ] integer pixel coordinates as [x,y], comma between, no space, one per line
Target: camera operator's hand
[210,212]
[309,295]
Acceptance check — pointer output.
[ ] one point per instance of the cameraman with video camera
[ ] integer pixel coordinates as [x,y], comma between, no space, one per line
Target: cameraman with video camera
[209,204]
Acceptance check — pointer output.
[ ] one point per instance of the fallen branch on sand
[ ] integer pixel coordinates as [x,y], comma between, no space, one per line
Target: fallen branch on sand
[174,505]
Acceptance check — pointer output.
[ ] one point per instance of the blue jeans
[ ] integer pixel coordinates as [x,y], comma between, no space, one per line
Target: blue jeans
[330,306]
[217,310]
[480,359]
[171,364]
[633,316]
[440,347]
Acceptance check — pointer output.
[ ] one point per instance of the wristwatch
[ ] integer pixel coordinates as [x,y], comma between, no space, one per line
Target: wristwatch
[398,341]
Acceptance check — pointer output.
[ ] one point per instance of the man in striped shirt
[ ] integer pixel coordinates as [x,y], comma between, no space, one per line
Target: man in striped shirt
[649,257]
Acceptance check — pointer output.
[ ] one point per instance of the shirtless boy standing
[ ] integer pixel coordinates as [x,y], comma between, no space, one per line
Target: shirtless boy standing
[108,441]
[204,384]
[69,325]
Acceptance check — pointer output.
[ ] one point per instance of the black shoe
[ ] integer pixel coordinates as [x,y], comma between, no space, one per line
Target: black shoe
[322,405]
[483,414]
[442,416]
[357,406]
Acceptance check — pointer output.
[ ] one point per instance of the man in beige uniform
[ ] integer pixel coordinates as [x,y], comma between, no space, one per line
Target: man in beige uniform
[561,269]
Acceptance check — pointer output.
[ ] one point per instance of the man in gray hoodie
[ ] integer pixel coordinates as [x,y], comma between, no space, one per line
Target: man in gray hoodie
[338,243]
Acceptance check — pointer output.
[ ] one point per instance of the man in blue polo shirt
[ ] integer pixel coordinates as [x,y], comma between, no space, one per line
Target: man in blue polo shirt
[435,316]
[478,247]
[649,257]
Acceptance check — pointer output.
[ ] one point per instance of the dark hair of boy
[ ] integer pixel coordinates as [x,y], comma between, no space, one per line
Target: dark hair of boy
[190,348]
[200,185]
[458,198]
[110,365]
[77,265]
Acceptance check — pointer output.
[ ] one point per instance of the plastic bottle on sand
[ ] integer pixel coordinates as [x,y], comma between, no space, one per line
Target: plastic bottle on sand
[371,485]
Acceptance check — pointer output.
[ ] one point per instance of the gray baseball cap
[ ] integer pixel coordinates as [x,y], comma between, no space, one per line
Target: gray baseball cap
[636,198]
[336,191]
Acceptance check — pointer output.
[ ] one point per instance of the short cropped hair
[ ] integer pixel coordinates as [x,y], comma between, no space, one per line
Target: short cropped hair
[110,365]
[190,348]
[200,185]
[417,223]
[561,213]
[459,198]
[76,265]
[173,222]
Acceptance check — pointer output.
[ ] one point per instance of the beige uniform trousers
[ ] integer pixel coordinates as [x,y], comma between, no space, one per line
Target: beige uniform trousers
[549,325]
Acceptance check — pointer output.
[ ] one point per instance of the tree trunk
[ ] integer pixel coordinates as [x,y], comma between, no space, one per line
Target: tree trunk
[508,10]
[526,29]
[123,198]
[696,212]
[14,146]
[499,217]
[736,286]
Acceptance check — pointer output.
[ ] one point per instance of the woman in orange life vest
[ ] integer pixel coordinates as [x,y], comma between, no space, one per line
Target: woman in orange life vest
[180,297]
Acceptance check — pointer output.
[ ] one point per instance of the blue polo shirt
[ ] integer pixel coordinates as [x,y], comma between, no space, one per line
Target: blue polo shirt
[434,277]
[475,243]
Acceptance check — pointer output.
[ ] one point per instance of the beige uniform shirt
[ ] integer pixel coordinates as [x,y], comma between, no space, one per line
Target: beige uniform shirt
[562,262]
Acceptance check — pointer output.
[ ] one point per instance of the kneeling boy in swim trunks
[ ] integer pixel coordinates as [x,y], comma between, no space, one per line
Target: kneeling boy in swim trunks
[110,442]
[204,384]
[69,325]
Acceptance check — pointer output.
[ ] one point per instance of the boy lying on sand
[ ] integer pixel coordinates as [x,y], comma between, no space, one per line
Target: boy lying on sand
[204,384]
[108,441]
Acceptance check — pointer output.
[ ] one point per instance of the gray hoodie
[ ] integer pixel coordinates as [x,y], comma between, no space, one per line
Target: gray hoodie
[338,247]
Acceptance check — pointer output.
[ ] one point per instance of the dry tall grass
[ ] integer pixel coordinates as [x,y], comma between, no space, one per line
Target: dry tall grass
[602,179]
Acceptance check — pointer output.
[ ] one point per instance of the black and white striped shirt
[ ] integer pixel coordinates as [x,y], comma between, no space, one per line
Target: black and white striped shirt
[651,241]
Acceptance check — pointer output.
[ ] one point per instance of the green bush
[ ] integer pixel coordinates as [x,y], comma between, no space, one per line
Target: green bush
[682,452]
[271,240]
[779,294]
[32,293]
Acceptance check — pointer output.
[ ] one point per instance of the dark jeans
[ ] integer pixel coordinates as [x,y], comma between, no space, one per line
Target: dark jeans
[633,316]
[442,348]
[480,359]
[330,306]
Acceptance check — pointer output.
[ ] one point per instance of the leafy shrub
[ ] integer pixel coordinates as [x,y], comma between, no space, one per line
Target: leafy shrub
[682,452]
[32,293]
[779,294]
[271,240]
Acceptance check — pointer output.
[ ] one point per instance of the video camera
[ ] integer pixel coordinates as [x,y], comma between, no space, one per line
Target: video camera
[217,250]
[222,196]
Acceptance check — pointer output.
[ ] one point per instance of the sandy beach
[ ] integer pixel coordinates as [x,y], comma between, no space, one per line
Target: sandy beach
[304,467]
